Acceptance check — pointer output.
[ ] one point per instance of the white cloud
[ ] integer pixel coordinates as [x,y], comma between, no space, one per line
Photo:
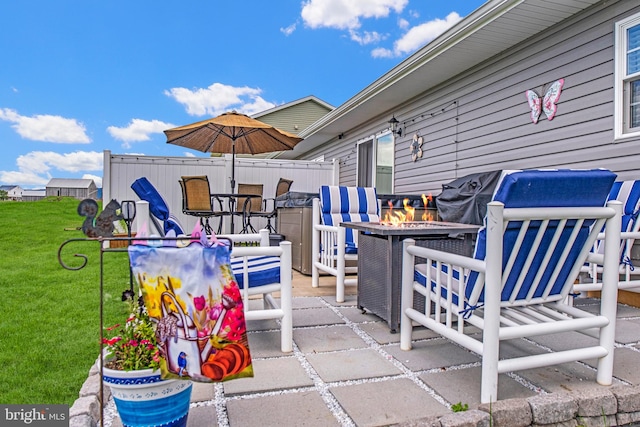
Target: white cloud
[346,14]
[38,167]
[366,37]
[219,98]
[381,52]
[47,128]
[422,34]
[287,31]
[23,178]
[137,130]
[189,154]
[97,179]
[403,23]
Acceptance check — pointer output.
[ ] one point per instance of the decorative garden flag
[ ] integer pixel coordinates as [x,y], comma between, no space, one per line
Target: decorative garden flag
[190,291]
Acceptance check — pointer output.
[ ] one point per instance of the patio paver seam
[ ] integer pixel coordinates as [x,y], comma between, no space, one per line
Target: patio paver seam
[579,362]
[321,387]
[374,345]
[220,404]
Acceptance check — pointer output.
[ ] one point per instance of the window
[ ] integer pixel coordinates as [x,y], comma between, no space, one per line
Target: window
[375,163]
[627,83]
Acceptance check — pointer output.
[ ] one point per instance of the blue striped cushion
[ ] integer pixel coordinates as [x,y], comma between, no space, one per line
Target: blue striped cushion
[628,192]
[540,188]
[172,223]
[543,188]
[348,204]
[263,270]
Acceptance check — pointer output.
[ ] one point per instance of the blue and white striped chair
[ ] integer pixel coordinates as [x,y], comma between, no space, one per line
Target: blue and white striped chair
[539,231]
[333,246]
[627,192]
[263,270]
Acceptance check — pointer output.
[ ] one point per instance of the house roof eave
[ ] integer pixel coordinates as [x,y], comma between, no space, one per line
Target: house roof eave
[464,45]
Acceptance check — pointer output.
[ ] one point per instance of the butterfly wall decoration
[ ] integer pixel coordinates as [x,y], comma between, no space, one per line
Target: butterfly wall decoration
[546,104]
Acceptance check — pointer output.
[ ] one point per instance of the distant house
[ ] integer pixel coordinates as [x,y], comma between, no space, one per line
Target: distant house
[296,115]
[78,188]
[14,192]
[33,195]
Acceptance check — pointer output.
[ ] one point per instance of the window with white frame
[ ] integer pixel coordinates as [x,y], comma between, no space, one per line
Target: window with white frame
[375,162]
[627,77]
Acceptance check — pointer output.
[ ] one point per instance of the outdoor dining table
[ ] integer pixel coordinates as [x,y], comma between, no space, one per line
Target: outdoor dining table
[380,259]
[232,199]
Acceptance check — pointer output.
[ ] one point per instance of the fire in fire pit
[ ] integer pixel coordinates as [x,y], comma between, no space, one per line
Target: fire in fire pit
[407,216]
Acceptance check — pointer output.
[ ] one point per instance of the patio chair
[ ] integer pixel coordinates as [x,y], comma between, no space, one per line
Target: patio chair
[282,187]
[538,232]
[246,205]
[198,201]
[333,246]
[627,192]
[263,270]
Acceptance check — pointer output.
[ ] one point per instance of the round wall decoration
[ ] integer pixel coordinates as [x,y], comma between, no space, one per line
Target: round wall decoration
[416,147]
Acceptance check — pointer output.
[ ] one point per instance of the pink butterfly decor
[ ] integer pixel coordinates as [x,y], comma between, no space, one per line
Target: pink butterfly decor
[546,104]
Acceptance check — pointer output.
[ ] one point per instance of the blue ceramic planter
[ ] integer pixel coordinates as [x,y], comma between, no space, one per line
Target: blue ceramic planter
[143,399]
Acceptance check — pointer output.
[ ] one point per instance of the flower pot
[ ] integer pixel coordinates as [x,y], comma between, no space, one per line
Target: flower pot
[144,399]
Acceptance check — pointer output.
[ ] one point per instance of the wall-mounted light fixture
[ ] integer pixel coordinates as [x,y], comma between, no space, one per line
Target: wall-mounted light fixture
[394,126]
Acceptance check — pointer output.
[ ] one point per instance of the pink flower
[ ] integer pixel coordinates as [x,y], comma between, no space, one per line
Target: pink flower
[199,302]
[215,311]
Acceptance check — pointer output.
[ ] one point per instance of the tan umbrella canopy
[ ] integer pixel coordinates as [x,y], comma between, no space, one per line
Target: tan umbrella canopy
[232,133]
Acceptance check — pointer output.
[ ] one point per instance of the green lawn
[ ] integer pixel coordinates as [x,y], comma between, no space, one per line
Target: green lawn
[50,316]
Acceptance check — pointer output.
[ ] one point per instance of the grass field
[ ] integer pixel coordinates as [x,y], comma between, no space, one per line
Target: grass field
[50,316]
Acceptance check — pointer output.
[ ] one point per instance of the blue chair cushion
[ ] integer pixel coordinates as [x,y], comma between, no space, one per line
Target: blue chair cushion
[348,204]
[543,188]
[263,270]
[157,205]
[539,188]
[628,192]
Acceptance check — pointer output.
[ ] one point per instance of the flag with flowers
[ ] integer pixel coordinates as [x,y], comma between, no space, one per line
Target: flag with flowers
[192,297]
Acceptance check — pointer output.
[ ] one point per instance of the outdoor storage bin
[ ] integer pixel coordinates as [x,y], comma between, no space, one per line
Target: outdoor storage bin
[294,223]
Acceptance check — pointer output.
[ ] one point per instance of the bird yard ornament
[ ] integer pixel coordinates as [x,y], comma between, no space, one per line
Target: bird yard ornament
[546,104]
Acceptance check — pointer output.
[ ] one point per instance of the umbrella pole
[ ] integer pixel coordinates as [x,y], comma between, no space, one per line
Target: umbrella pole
[233,181]
[233,166]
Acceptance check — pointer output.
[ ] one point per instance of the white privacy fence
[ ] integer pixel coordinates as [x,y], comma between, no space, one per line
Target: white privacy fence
[120,171]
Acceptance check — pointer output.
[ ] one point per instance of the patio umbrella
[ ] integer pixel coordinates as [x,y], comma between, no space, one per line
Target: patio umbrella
[232,133]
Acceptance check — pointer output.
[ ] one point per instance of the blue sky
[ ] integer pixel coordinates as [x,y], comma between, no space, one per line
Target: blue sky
[79,76]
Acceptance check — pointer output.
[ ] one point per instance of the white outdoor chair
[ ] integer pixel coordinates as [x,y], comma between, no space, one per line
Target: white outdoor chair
[266,269]
[627,192]
[539,230]
[332,246]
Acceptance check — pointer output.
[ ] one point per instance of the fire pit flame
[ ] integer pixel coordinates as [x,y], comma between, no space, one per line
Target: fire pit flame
[399,218]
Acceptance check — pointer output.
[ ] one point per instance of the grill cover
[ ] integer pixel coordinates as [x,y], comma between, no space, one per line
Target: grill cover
[465,199]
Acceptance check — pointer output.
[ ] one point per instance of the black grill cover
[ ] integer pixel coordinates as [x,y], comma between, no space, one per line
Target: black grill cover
[465,199]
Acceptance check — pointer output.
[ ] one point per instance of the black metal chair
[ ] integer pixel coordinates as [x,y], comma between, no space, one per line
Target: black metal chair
[282,187]
[198,201]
